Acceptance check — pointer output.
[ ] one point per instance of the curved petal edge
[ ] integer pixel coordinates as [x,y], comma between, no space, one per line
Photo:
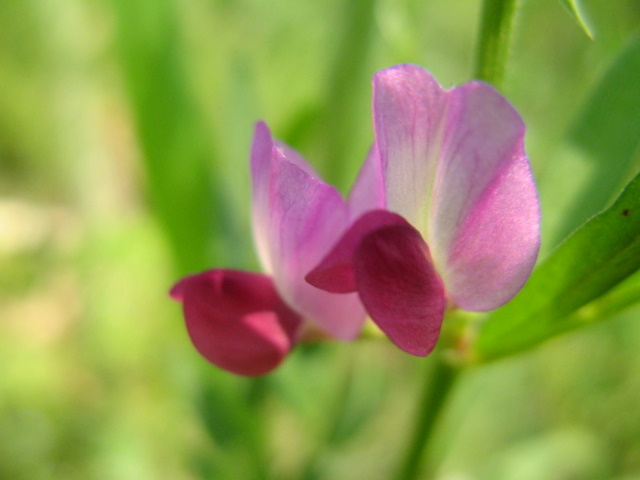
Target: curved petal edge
[297,217]
[237,320]
[400,288]
[454,165]
[336,272]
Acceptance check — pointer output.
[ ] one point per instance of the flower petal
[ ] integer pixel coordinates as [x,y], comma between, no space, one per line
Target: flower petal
[400,288]
[408,111]
[236,320]
[297,217]
[336,271]
[368,191]
[294,157]
[454,165]
[485,214]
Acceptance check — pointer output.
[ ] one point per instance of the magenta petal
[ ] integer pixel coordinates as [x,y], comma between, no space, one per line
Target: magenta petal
[496,245]
[296,218]
[454,166]
[336,273]
[400,288]
[237,320]
[368,191]
[485,217]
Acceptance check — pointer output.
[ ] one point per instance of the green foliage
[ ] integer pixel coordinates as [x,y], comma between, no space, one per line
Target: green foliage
[574,7]
[592,261]
[125,127]
[175,147]
[605,132]
[498,17]
[348,74]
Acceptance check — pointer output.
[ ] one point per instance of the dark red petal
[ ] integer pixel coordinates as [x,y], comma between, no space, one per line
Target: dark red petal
[400,288]
[335,273]
[237,320]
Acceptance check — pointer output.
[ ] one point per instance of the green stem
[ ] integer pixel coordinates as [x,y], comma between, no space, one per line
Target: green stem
[437,388]
[495,37]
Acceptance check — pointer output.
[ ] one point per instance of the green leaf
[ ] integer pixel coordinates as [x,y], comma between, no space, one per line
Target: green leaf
[575,9]
[619,299]
[606,136]
[187,199]
[600,255]
[231,412]
[349,72]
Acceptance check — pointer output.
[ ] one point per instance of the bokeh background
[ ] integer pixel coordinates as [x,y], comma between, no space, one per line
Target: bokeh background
[125,127]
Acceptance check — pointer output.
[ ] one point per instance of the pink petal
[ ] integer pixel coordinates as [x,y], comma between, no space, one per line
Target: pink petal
[408,110]
[294,157]
[368,191]
[297,218]
[236,320]
[486,217]
[336,271]
[261,173]
[454,165]
[400,288]
[385,260]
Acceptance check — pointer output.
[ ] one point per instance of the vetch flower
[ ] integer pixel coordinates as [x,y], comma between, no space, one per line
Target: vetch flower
[248,322]
[461,218]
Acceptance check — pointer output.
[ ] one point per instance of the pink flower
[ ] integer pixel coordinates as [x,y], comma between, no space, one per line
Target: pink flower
[461,218]
[248,322]
[444,211]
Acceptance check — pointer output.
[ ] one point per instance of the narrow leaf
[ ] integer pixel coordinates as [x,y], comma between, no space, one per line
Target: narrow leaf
[606,136]
[339,128]
[574,7]
[619,299]
[176,149]
[600,255]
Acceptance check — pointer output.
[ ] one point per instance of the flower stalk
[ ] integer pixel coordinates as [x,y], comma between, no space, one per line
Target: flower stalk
[496,28]
[417,462]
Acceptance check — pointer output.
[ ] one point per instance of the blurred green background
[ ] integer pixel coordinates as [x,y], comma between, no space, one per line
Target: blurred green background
[125,127]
